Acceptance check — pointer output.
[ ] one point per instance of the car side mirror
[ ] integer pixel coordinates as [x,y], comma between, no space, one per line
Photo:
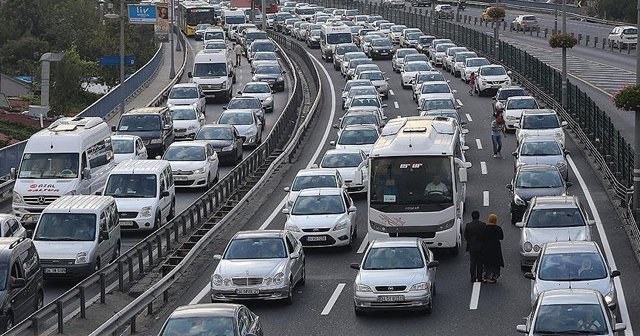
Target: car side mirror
[190,75]
[104,235]
[433,264]
[494,98]
[355,266]
[294,255]
[336,126]
[462,175]
[158,157]
[13,173]
[519,224]
[510,186]
[352,209]
[217,256]
[287,189]
[569,184]
[113,128]
[286,211]
[165,193]
[620,327]
[230,74]
[18,283]
[521,328]
[515,154]
[464,130]
[332,142]
[384,105]
[530,276]
[29,233]
[564,124]
[615,273]
[567,152]
[591,222]
[98,193]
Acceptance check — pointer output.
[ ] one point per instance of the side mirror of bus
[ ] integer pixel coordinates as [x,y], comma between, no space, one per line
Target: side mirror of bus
[86,173]
[13,173]
[190,75]
[462,174]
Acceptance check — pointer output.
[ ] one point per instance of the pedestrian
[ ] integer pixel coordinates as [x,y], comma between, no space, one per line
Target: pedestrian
[497,133]
[492,250]
[472,83]
[237,49]
[474,235]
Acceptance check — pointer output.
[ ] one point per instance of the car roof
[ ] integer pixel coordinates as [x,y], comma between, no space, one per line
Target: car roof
[178,85]
[505,88]
[361,127]
[316,172]
[539,111]
[260,234]
[206,310]
[536,166]
[520,97]
[571,247]
[541,138]
[343,151]
[146,110]
[321,192]
[555,202]
[570,296]
[396,242]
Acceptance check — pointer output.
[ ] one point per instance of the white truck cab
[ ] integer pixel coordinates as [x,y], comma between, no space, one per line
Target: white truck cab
[213,70]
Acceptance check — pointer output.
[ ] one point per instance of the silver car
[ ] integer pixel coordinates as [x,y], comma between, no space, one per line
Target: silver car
[263,92]
[247,103]
[247,123]
[551,219]
[398,58]
[572,264]
[395,274]
[378,80]
[545,150]
[265,265]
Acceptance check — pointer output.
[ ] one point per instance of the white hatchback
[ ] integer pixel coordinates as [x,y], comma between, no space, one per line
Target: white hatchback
[194,164]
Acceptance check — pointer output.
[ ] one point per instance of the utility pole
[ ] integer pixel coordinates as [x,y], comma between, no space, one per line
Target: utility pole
[636,157]
[122,94]
[172,71]
[564,55]
[264,15]
[555,12]
[496,35]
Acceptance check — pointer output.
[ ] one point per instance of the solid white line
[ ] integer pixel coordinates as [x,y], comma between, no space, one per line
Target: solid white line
[364,244]
[622,303]
[396,104]
[201,295]
[333,299]
[469,117]
[392,93]
[459,103]
[485,198]
[475,296]
[483,167]
[479,143]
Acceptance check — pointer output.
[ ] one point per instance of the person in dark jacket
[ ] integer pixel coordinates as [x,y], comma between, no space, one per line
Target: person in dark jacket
[492,250]
[474,235]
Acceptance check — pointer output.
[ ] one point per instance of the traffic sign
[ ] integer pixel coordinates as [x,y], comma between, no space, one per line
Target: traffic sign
[142,14]
[107,61]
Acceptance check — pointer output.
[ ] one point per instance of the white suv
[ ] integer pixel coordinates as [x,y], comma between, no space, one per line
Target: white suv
[623,34]
[540,123]
[491,77]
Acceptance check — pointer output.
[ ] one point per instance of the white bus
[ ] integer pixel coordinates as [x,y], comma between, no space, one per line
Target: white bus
[417,182]
[332,34]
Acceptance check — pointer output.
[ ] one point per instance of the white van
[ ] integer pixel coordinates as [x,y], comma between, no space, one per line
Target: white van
[73,156]
[145,193]
[231,18]
[77,235]
[213,70]
[213,33]
[332,34]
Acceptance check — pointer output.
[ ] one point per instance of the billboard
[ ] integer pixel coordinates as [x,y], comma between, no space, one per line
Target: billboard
[142,14]
[162,22]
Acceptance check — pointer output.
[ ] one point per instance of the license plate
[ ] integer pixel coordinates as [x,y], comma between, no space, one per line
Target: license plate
[55,270]
[391,298]
[126,223]
[247,291]
[384,54]
[180,178]
[317,238]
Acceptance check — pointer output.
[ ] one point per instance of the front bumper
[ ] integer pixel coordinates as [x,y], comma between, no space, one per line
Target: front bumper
[137,224]
[322,238]
[185,133]
[227,294]
[190,181]
[435,239]
[493,85]
[70,271]
[411,300]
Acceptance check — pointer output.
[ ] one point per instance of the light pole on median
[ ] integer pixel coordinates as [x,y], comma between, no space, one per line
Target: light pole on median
[172,71]
[555,12]
[121,17]
[636,157]
[564,56]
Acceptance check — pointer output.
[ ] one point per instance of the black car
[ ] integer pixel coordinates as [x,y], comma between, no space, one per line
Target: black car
[225,140]
[313,40]
[380,48]
[21,282]
[153,124]
[272,74]
[212,319]
[503,94]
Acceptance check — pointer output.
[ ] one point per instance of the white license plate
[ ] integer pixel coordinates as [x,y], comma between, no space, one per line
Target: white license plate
[247,291]
[126,223]
[318,238]
[391,298]
[180,178]
[384,54]
[55,270]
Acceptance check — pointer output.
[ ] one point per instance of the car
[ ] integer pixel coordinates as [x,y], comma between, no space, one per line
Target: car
[572,264]
[503,94]
[217,318]
[433,105]
[287,27]
[270,20]
[225,139]
[444,12]
[359,117]
[353,83]
[360,20]
[348,57]
[398,58]
[260,90]
[447,61]
[458,62]
[187,94]
[545,150]
[10,226]
[235,32]
[623,36]
[373,18]
[260,45]
[339,52]
[394,274]
[513,108]
[350,14]
[371,102]
[153,124]
[471,66]
[534,180]
[313,39]
[199,31]
[352,166]
[571,312]
[424,77]
[365,67]
[212,34]
[415,3]
[543,122]
[385,28]
[300,29]
[218,45]
[417,58]
[366,40]
[194,164]
[378,80]
[430,90]
[323,217]
[272,74]
[353,64]
[393,3]
[357,137]
[395,32]
[403,37]
[440,53]
[247,123]
[376,24]
[264,58]
[186,121]
[411,39]
[362,90]
[424,42]
[380,48]
[312,178]
[432,48]
[410,70]
[128,147]
[524,23]
[485,14]
[309,28]
[491,77]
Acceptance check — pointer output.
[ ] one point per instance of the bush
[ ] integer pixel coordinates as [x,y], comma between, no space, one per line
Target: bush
[628,98]
[562,41]
[16,130]
[496,13]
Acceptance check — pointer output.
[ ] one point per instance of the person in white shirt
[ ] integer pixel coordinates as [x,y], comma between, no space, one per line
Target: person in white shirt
[436,185]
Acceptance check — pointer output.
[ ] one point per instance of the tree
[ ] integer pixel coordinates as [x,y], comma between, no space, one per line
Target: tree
[67,94]
[619,10]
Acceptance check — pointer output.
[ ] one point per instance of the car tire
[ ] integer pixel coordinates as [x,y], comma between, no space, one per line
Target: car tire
[359,311]
[289,299]
[9,323]
[429,309]
[525,268]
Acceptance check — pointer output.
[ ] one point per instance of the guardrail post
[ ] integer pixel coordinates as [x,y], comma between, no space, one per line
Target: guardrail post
[150,251]
[579,39]
[159,242]
[60,313]
[120,276]
[167,235]
[140,263]
[595,41]
[35,325]
[133,324]
[130,264]
[103,289]
[83,302]
[475,21]
[165,296]
[150,308]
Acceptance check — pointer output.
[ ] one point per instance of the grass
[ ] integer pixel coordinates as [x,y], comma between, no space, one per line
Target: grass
[16,131]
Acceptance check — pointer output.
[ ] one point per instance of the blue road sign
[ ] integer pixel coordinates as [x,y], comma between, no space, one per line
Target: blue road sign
[107,61]
[142,14]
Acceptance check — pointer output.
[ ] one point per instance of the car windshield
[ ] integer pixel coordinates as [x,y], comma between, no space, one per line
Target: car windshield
[362,90]
[265,56]
[384,258]
[425,40]
[521,104]
[184,153]
[214,35]
[413,36]
[255,36]
[539,179]
[505,94]
[437,104]
[493,71]
[358,137]
[359,119]
[268,70]
[444,46]
[215,133]
[122,146]
[540,121]
[183,93]
[417,58]
[263,47]
[341,50]
[630,31]
[351,12]
[236,118]
[210,70]
[355,55]
[386,26]
[184,114]
[341,160]
[565,319]
[203,26]
[66,227]
[404,52]
[318,205]
[365,102]
[355,83]
[49,165]
[434,77]
[540,148]
[381,42]
[242,103]
[316,32]
[477,62]
[435,88]
[339,38]
[314,181]
[460,57]
[139,123]
[257,88]
[416,66]
[372,76]
[398,29]
[555,218]
[131,186]
[572,266]
[255,248]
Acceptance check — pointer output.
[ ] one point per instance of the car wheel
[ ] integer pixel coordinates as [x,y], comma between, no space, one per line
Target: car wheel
[525,268]
[289,299]
[354,235]
[9,323]
[358,311]
[429,309]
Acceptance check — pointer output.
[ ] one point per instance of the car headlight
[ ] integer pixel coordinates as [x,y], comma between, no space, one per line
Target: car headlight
[518,200]
[81,258]
[446,225]
[278,279]
[17,198]
[198,171]
[419,286]
[610,296]
[267,101]
[527,247]
[216,280]
[341,226]
[536,248]
[145,212]
[228,148]
[292,228]
[267,281]
[171,104]
[362,288]
[156,141]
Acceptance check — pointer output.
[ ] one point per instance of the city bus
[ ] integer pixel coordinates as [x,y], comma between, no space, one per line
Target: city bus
[417,182]
[192,13]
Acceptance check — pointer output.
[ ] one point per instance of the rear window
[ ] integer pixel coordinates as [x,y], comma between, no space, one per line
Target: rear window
[630,31]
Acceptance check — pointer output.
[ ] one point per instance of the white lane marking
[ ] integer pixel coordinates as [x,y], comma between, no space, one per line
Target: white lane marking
[485,198]
[479,143]
[201,295]
[396,104]
[475,296]
[333,299]
[364,244]
[392,93]
[622,303]
[469,117]
[459,103]
[483,167]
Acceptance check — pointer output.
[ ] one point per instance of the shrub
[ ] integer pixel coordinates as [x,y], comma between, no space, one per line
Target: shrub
[628,98]
[562,41]
[496,13]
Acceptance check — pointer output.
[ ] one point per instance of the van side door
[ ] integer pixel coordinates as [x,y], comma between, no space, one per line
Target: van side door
[104,246]
[165,202]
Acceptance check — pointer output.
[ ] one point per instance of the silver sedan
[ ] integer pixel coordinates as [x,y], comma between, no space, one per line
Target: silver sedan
[545,150]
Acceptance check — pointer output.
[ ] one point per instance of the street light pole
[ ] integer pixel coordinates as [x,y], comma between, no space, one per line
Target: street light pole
[564,55]
[264,15]
[636,157]
[172,71]
[122,94]
[555,12]
[496,35]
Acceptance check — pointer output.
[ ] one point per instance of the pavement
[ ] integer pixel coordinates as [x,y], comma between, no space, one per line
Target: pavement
[12,87]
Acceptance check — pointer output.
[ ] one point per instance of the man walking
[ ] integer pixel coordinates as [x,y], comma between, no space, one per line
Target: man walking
[497,133]
[473,234]
[237,49]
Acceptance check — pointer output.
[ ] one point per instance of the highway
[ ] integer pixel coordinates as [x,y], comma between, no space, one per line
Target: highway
[324,306]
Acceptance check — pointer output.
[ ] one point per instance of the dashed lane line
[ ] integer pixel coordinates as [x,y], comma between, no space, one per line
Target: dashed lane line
[364,244]
[479,143]
[469,117]
[485,198]
[333,299]
[483,167]
[475,296]
[396,105]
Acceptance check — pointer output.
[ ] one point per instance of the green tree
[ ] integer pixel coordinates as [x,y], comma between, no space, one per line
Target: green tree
[21,56]
[618,10]
[67,95]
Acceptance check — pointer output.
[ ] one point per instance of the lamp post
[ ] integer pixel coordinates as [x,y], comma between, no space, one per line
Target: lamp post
[555,12]
[121,17]
[172,71]
[564,56]
[636,157]
[496,35]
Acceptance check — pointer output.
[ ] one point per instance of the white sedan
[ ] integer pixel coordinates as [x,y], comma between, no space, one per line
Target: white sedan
[194,164]
[410,70]
[126,147]
[10,226]
[187,121]
[435,90]
[352,166]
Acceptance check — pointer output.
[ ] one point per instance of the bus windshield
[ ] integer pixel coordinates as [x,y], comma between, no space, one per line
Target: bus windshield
[234,19]
[199,15]
[406,184]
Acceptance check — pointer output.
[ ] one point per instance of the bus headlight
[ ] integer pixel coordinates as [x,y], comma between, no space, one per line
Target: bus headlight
[17,198]
[377,227]
[446,225]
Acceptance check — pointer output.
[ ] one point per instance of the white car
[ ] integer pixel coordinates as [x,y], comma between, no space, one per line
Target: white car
[344,67]
[447,62]
[356,137]
[385,28]
[365,67]
[323,217]
[350,84]
[491,77]
[262,91]
[410,70]
[424,77]
[471,66]
[10,226]
[187,121]
[430,90]
[367,102]
[623,36]
[248,104]
[194,164]
[378,80]
[403,36]
[440,52]
[220,45]
[126,147]
[352,166]
[396,32]
[541,123]
[312,178]
[360,90]
[264,57]
[187,94]
[458,62]
[398,58]
[514,107]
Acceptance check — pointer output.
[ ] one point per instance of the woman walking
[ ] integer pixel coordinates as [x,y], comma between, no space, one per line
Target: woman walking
[492,250]
[472,83]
